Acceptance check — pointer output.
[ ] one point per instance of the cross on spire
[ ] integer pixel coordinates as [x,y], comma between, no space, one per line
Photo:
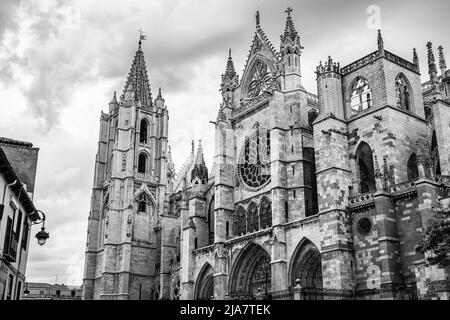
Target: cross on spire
[288,11]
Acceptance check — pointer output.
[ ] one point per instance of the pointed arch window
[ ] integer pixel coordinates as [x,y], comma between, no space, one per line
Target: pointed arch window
[265,213]
[361,96]
[402,93]
[142,163]
[239,223]
[144,132]
[412,169]
[364,159]
[252,218]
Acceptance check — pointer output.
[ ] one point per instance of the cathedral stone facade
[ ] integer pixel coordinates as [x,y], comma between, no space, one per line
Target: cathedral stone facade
[309,197]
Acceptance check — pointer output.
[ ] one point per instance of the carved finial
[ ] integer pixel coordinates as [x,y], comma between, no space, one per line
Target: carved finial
[257,18]
[442,63]
[229,53]
[380,43]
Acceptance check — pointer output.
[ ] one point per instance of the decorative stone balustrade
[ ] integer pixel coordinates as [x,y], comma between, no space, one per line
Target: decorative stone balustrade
[302,222]
[361,201]
[203,250]
[174,266]
[440,179]
[403,190]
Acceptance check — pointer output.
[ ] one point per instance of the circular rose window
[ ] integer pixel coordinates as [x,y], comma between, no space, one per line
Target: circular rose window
[254,162]
[364,226]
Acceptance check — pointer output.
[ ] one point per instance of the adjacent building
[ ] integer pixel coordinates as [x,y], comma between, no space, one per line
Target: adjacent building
[309,197]
[46,291]
[18,162]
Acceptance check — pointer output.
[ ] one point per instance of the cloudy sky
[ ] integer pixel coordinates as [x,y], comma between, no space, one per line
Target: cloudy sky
[61,60]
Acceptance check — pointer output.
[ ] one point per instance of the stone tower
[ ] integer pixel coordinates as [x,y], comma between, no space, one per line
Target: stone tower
[123,244]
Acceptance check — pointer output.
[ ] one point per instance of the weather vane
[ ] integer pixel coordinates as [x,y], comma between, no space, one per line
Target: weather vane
[142,36]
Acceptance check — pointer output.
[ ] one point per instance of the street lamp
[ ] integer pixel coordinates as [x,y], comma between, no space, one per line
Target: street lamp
[42,235]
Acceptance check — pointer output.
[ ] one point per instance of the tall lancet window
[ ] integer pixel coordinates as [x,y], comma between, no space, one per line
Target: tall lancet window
[144,132]
[402,93]
[364,159]
[142,163]
[361,96]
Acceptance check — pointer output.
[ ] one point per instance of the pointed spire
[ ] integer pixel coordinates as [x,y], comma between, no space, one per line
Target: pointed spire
[230,80]
[289,30]
[138,79]
[432,71]
[380,43]
[200,169]
[230,72]
[442,63]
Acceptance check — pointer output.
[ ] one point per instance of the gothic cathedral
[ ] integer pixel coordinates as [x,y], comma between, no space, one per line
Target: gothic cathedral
[309,197]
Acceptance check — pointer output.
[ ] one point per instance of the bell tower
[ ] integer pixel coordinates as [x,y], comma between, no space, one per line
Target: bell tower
[129,191]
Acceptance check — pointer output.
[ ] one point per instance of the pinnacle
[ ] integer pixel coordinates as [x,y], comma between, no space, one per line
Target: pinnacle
[159,97]
[230,72]
[199,158]
[289,30]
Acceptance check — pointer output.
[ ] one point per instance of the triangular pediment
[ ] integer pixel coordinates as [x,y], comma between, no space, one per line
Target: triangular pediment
[261,46]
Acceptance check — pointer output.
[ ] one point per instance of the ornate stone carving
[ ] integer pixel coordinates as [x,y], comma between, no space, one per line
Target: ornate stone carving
[261,80]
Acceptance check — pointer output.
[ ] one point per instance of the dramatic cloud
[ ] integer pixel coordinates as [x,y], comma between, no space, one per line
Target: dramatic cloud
[61,61]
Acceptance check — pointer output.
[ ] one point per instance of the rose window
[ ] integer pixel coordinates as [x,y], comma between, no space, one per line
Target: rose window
[254,162]
[261,80]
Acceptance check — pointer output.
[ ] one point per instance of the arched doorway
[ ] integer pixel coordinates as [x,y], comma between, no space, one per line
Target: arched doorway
[306,266]
[205,284]
[251,274]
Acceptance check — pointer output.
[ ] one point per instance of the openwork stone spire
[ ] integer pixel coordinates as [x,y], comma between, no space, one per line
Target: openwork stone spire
[138,79]
[432,71]
[380,43]
[442,63]
[289,30]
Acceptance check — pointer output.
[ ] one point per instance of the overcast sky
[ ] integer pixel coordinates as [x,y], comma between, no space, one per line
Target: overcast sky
[60,62]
